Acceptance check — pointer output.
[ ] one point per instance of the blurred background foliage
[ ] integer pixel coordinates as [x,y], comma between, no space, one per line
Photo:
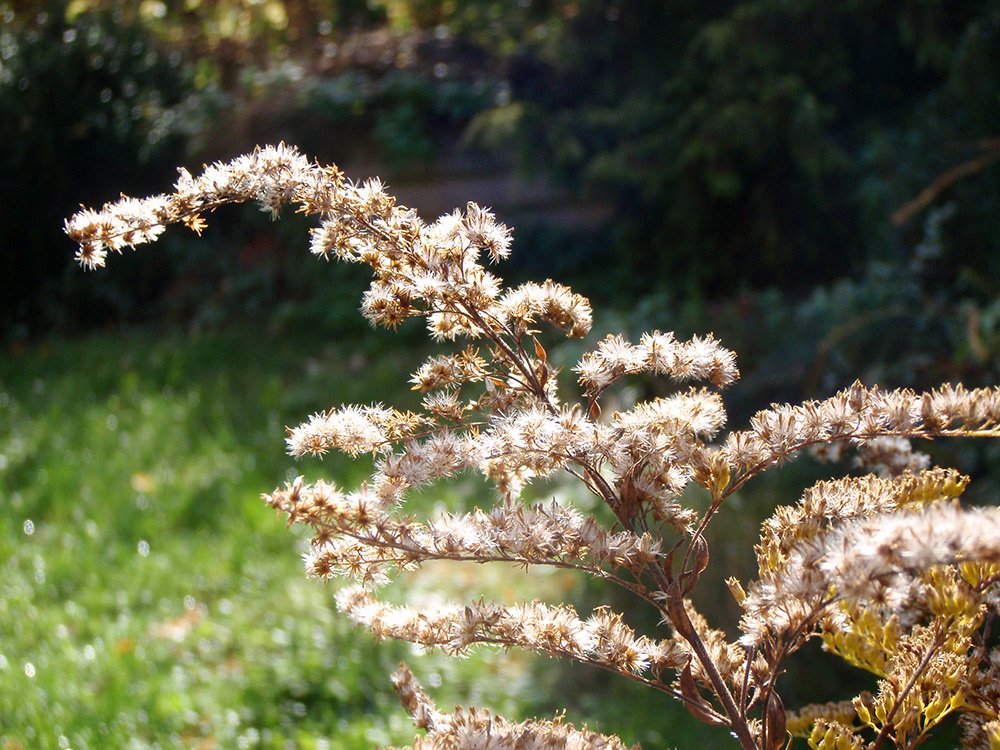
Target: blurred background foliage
[703,152]
[816,182]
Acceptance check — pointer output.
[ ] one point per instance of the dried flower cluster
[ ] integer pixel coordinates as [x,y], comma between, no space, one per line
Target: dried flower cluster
[886,568]
[474,729]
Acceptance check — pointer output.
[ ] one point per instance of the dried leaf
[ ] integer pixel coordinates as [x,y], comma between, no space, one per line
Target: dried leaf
[693,700]
[774,722]
[540,352]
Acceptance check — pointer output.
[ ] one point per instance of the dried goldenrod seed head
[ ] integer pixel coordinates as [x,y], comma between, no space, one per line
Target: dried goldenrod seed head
[886,569]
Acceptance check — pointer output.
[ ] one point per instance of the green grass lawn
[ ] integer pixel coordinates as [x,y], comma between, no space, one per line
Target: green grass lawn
[149,599]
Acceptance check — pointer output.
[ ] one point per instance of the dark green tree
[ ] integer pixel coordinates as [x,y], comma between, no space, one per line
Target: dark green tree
[741,139]
[82,103]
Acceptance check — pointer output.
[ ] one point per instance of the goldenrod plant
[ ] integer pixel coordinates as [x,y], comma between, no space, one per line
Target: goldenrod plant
[887,568]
